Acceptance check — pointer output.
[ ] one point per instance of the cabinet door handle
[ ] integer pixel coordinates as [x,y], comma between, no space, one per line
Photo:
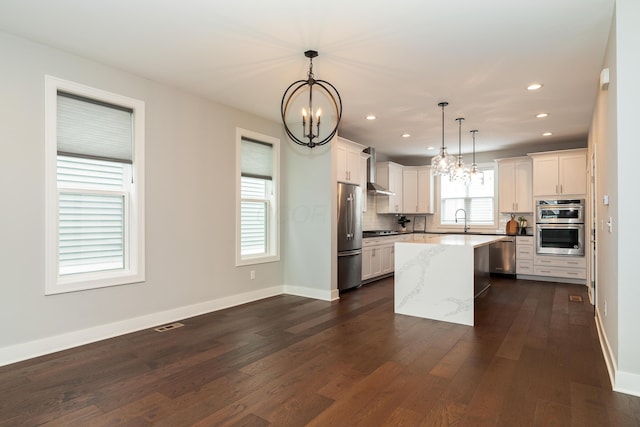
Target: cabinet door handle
[560,188]
[572,272]
[556,188]
[545,271]
[516,205]
[544,260]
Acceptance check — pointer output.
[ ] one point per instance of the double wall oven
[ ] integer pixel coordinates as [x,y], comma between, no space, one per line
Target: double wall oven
[560,227]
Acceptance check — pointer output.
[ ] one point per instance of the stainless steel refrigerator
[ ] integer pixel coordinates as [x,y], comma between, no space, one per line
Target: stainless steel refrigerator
[349,236]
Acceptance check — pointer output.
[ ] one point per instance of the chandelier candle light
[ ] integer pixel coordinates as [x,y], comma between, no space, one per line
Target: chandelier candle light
[442,163]
[326,96]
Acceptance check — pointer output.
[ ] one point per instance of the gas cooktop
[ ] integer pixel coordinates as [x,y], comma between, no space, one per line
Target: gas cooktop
[374,233]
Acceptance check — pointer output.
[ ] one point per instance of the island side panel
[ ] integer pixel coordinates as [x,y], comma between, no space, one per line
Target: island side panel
[482,276]
[435,281]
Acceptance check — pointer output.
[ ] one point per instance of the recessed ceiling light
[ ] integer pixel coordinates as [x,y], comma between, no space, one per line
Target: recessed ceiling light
[534,86]
[542,115]
[547,134]
[431,148]
[371,117]
[406,135]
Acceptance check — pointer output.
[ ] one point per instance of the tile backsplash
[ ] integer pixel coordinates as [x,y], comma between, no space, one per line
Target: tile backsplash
[373,221]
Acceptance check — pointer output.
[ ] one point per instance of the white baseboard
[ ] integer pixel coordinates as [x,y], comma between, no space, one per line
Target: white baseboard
[325,295]
[627,383]
[621,381]
[552,279]
[28,350]
[606,350]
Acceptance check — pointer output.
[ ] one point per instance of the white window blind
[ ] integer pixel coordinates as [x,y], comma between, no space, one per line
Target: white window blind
[256,159]
[476,199]
[93,129]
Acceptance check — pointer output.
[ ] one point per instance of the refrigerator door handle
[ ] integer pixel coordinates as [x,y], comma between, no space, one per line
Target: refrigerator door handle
[350,253]
[350,229]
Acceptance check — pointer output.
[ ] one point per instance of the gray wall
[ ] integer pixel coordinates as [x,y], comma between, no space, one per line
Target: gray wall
[309,221]
[190,209]
[613,139]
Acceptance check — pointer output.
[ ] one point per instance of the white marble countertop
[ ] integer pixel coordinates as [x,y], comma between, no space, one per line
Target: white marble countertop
[473,240]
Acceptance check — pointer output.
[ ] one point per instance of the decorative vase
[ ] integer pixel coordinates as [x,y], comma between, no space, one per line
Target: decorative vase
[523,227]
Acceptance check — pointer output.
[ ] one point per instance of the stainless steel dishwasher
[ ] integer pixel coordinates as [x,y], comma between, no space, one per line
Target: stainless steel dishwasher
[502,256]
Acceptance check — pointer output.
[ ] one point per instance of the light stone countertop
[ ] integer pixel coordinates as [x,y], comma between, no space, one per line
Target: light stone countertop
[473,240]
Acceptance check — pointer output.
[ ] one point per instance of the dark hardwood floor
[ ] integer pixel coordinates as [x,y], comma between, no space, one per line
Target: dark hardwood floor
[533,358]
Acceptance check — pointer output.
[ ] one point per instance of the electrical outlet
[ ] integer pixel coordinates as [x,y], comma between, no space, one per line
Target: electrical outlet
[252,274]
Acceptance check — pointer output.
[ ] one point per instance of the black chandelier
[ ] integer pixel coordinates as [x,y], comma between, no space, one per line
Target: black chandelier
[312,134]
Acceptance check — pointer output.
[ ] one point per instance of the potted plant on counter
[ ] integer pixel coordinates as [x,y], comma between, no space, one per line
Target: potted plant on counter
[523,224]
[403,220]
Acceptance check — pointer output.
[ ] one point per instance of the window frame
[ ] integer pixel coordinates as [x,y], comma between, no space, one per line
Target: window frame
[273,215]
[460,226]
[134,262]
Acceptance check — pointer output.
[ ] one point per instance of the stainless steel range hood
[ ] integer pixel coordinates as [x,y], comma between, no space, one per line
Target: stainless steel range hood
[372,187]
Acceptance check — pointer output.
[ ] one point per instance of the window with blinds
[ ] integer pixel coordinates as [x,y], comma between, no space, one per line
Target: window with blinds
[92,203]
[95,187]
[476,199]
[254,215]
[258,207]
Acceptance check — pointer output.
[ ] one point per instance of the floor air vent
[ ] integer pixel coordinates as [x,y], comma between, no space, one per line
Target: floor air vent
[575,298]
[168,327]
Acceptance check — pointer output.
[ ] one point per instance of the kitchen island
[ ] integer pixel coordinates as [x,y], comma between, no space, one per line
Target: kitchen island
[438,276]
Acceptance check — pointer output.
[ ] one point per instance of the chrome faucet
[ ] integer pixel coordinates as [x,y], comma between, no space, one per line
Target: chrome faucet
[466,227]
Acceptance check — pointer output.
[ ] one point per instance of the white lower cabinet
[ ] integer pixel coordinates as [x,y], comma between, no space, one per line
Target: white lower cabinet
[560,266]
[524,254]
[378,255]
[373,257]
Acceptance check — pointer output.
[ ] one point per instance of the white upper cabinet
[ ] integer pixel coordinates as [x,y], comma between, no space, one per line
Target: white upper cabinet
[417,194]
[389,175]
[560,173]
[515,191]
[349,161]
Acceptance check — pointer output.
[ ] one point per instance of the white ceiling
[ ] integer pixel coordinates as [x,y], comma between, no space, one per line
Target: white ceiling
[396,60]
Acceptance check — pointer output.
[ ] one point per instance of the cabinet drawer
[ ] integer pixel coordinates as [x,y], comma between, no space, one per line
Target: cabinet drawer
[371,241]
[524,241]
[557,261]
[560,272]
[525,252]
[524,267]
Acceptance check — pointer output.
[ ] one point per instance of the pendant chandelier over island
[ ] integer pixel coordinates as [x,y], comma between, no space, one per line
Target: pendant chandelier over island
[446,165]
